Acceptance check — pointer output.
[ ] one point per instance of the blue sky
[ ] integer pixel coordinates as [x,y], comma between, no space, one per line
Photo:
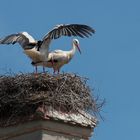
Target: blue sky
[110,58]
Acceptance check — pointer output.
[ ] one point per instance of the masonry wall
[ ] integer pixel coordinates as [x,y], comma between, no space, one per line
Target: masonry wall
[45,130]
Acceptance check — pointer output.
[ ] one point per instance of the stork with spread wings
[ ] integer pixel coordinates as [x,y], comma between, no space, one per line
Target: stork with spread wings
[38,50]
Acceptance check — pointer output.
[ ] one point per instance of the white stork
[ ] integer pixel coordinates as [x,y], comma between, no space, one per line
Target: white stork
[58,58]
[38,50]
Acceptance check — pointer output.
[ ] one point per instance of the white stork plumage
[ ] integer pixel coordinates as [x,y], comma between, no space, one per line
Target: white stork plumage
[58,58]
[38,50]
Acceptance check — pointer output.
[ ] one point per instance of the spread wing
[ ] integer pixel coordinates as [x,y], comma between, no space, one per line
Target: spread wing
[70,30]
[22,38]
[80,30]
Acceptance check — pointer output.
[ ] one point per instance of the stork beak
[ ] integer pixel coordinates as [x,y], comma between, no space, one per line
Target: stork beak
[78,48]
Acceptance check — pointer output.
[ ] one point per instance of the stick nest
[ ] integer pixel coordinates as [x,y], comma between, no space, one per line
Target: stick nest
[22,94]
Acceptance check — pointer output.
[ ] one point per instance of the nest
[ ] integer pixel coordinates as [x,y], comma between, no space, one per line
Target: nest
[22,94]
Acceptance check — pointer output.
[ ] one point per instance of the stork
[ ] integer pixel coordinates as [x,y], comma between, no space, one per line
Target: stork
[38,50]
[58,58]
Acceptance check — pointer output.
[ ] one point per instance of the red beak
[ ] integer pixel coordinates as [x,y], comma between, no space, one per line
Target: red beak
[78,48]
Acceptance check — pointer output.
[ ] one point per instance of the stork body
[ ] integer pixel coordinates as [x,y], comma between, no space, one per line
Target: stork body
[38,51]
[58,58]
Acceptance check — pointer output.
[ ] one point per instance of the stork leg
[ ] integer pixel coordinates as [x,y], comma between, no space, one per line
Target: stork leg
[53,71]
[35,71]
[58,71]
[52,62]
[43,70]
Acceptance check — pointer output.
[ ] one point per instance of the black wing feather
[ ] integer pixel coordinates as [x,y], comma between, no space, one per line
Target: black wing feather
[70,30]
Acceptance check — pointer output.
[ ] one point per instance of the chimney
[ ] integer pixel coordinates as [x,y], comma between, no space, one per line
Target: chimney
[46,108]
[54,126]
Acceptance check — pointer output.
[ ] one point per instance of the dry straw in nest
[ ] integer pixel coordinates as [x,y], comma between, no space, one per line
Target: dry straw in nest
[21,95]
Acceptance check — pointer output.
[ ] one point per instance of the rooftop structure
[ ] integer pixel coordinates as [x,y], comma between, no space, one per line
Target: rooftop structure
[46,107]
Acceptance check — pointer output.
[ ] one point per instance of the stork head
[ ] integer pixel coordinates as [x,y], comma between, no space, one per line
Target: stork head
[76,43]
